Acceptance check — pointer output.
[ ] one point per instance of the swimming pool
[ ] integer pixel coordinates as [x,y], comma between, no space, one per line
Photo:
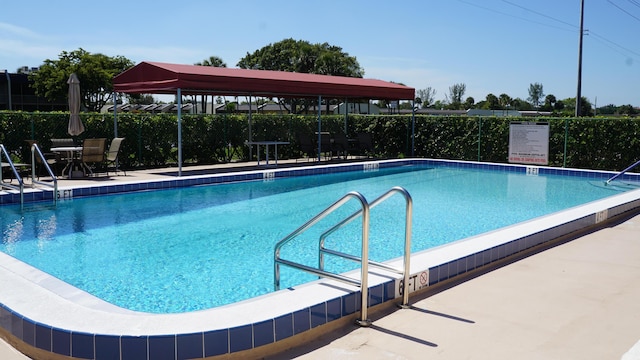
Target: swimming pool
[48,315]
[177,250]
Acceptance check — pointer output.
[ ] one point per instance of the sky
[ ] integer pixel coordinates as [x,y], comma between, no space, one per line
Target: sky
[490,46]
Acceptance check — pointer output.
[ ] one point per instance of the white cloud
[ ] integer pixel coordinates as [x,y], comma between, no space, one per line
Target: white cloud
[14,30]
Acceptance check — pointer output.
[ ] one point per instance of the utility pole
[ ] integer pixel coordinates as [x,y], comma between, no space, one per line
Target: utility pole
[579,93]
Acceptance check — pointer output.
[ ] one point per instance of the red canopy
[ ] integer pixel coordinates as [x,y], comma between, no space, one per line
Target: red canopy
[163,78]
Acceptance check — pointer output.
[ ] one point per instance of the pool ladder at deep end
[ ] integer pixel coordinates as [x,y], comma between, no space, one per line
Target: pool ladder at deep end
[35,154]
[364,261]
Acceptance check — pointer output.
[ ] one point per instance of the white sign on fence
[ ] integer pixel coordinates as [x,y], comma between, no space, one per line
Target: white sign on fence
[529,142]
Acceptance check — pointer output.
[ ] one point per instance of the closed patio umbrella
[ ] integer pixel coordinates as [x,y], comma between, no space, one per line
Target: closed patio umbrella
[75,123]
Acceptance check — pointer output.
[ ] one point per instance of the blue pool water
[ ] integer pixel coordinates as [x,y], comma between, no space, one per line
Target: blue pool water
[201,247]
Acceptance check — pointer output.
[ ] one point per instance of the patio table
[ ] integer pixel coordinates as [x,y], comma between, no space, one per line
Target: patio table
[72,154]
[267,144]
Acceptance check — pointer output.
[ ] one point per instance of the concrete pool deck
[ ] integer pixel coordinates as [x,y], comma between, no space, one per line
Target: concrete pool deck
[560,303]
[557,304]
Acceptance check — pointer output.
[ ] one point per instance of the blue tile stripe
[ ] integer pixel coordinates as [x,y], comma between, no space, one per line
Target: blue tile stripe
[249,336]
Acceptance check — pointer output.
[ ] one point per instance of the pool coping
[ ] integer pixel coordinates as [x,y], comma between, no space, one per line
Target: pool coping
[48,314]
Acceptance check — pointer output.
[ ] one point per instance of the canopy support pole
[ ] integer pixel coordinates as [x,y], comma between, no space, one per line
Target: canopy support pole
[250,137]
[179,132]
[319,128]
[115,114]
[346,114]
[413,128]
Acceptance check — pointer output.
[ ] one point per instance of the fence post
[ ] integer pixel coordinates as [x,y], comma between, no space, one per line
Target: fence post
[566,135]
[479,134]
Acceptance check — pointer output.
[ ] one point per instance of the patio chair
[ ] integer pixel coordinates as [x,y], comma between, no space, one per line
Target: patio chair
[93,153]
[57,143]
[112,156]
[340,145]
[307,146]
[365,144]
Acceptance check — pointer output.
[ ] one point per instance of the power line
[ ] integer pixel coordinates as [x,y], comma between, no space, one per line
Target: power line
[538,13]
[596,36]
[623,10]
[615,44]
[513,16]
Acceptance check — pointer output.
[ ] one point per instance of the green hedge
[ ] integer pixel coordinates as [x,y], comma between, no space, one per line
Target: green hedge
[593,143]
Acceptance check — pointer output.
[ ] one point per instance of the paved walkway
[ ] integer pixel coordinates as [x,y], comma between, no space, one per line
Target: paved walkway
[579,300]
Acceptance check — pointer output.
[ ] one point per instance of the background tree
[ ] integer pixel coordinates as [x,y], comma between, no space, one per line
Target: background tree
[535,94]
[505,101]
[141,99]
[95,72]
[491,102]
[426,96]
[627,110]
[469,103]
[215,62]
[549,102]
[569,109]
[519,104]
[303,57]
[456,92]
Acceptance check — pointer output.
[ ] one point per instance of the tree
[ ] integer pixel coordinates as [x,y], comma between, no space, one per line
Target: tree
[426,97]
[549,102]
[535,94]
[95,72]
[627,110]
[491,102]
[213,61]
[504,100]
[302,57]
[141,99]
[519,104]
[456,92]
[468,104]
[569,108]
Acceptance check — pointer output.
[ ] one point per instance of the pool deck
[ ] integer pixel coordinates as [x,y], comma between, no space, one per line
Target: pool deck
[577,300]
[557,304]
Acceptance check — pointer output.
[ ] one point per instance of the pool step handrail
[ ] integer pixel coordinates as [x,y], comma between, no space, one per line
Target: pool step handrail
[364,259]
[622,172]
[20,186]
[363,282]
[406,269]
[37,154]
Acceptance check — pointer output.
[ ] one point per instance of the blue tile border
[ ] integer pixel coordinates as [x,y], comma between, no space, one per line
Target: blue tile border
[249,336]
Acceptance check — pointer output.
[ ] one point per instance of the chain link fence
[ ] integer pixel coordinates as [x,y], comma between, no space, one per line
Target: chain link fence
[151,139]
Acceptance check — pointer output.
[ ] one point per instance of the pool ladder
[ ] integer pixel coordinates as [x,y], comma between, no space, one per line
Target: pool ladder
[35,151]
[37,154]
[363,282]
[16,174]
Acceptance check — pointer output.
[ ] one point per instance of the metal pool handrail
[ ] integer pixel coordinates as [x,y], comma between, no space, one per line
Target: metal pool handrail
[20,186]
[405,271]
[35,150]
[622,172]
[363,283]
